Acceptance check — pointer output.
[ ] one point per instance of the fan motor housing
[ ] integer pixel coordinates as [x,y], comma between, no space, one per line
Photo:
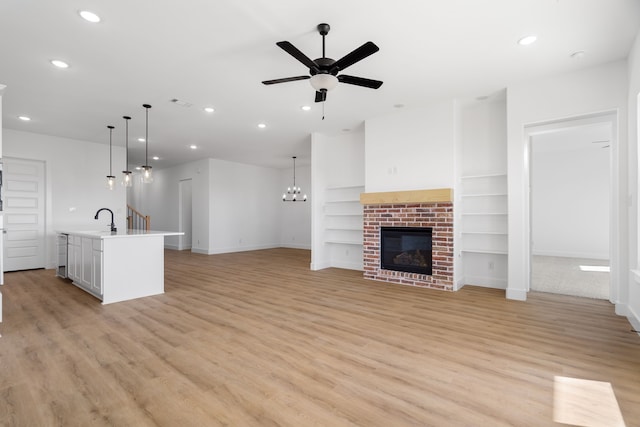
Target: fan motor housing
[325,66]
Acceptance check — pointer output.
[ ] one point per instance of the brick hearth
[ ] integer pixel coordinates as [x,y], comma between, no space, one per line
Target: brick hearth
[437,215]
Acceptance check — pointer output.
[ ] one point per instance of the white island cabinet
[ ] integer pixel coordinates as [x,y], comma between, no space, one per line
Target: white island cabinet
[117,266]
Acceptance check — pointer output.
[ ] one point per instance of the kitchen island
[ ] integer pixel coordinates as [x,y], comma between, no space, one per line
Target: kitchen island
[117,266]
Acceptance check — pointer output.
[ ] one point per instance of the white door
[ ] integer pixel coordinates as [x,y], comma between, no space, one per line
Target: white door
[185,214]
[23,196]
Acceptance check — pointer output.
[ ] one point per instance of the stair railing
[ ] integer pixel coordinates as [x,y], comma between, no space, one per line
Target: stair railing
[137,221]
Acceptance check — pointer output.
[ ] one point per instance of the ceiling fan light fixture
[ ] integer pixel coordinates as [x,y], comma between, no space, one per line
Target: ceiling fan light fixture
[324,81]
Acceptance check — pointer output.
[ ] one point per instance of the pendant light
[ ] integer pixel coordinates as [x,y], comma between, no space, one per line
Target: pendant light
[147,177]
[111,180]
[292,192]
[126,173]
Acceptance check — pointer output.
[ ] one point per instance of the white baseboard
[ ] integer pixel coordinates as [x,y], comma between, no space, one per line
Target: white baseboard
[348,265]
[232,249]
[292,246]
[516,294]
[634,319]
[587,255]
[485,282]
[321,265]
[172,247]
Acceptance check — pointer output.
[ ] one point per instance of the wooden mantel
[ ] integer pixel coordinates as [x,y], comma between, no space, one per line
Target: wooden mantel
[411,196]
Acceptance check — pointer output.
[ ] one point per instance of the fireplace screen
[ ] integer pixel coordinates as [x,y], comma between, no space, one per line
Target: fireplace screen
[406,249]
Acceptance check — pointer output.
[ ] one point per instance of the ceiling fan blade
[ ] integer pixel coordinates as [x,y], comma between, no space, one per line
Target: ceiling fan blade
[295,52]
[359,81]
[321,96]
[286,79]
[369,48]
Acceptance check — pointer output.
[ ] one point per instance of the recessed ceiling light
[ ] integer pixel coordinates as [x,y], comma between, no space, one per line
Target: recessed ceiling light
[156,158]
[262,125]
[89,16]
[578,54]
[141,140]
[305,108]
[138,168]
[527,40]
[193,146]
[24,118]
[209,109]
[60,64]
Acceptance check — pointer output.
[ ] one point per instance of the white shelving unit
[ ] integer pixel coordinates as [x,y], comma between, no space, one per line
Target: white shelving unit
[483,235]
[343,215]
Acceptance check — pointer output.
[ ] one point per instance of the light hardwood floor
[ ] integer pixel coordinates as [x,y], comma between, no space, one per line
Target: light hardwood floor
[256,339]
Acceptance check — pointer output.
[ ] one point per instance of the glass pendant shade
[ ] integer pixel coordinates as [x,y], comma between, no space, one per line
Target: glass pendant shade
[111,180]
[127,180]
[126,173]
[147,176]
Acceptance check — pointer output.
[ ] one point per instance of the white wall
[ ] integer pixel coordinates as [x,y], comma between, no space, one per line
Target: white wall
[75,182]
[412,149]
[599,89]
[570,201]
[483,137]
[633,309]
[245,206]
[235,207]
[160,200]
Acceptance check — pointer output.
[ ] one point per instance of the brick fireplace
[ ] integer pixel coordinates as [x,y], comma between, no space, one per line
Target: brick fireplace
[422,208]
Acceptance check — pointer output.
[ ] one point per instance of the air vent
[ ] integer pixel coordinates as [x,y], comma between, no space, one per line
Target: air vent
[180,102]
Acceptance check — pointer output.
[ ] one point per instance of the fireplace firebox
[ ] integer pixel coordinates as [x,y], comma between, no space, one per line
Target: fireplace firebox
[406,249]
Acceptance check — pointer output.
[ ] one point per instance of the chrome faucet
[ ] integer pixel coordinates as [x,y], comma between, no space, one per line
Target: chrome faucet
[113,225]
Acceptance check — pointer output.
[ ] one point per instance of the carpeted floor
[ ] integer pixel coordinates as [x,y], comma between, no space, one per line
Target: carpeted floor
[570,276]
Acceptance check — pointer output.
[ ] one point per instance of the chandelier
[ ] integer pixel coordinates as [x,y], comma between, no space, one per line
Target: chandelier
[293,192]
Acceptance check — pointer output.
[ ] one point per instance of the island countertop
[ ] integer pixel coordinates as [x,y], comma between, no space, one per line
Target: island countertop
[106,234]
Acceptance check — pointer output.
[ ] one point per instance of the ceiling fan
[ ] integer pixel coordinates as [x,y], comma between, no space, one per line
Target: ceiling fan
[323,72]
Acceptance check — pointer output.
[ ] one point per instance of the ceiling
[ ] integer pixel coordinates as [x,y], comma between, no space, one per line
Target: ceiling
[216,53]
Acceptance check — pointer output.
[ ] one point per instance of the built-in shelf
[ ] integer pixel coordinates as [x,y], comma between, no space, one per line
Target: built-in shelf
[360,188]
[483,213]
[485,195]
[495,233]
[344,242]
[343,216]
[489,175]
[484,251]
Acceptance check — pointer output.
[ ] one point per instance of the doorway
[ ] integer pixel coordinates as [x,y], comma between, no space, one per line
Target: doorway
[23,189]
[570,207]
[185,214]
